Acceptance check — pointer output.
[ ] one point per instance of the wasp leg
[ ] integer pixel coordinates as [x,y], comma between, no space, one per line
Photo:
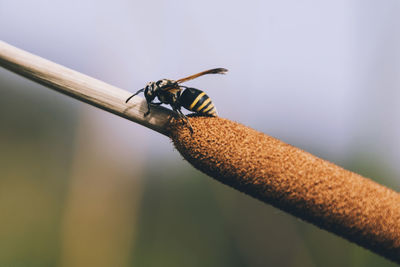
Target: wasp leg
[184,119]
[148,107]
[148,110]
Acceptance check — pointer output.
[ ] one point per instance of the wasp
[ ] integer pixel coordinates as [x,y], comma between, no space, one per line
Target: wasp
[171,92]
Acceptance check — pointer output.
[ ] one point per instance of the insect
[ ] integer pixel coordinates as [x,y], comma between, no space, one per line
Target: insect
[172,93]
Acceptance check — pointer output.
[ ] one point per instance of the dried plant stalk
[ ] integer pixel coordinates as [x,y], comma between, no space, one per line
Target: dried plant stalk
[83,87]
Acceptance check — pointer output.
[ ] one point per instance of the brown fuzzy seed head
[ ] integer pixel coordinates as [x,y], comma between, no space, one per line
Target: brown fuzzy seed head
[293,180]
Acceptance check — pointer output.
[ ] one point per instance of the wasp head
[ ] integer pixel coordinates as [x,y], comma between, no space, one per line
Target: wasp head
[150,91]
[152,88]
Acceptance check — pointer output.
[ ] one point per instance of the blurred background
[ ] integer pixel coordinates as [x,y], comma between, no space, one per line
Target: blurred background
[81,187]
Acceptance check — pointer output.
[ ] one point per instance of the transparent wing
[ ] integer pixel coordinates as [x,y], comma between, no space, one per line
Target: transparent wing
[194,76]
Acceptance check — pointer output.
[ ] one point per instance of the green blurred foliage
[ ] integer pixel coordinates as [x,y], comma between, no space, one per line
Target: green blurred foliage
[35,139]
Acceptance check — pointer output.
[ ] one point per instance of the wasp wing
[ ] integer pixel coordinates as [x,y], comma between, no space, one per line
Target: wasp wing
[194,76]
[171,89]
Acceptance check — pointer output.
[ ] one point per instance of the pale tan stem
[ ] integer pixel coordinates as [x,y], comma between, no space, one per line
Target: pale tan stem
[83,87]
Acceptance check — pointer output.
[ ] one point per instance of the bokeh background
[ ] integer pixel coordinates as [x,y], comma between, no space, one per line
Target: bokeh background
[81,187]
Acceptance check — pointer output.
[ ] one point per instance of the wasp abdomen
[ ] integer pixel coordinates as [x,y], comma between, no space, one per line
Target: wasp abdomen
[196,100]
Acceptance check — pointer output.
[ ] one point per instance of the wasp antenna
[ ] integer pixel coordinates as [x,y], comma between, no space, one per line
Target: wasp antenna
[129,98]
[138,92]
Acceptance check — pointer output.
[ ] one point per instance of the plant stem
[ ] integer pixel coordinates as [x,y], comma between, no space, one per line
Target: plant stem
[83,87]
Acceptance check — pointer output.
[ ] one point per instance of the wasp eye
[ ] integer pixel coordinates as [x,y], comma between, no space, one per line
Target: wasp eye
[149,89]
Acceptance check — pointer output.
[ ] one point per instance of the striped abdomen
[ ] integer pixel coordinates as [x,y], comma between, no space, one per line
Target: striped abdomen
[196,100]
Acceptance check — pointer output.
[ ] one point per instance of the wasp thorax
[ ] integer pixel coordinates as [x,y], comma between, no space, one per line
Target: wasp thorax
[164,83]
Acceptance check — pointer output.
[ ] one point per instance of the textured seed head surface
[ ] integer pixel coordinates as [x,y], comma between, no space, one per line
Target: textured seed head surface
[291,179]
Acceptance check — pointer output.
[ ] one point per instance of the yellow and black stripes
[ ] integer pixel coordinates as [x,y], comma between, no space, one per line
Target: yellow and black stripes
[198,98]
[197,101]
